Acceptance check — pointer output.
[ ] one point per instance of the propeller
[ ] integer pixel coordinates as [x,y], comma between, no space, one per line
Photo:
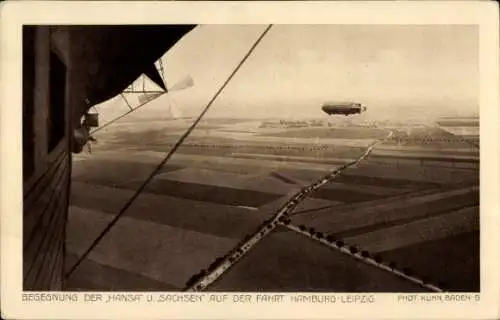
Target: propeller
[184,83]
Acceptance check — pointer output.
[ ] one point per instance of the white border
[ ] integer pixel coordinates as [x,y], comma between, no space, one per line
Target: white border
[14,14]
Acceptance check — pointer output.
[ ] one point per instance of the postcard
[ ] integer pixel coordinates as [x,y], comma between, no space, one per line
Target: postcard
[250,160]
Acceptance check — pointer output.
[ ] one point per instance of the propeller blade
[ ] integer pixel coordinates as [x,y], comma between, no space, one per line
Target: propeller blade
[185,83]
[148,96]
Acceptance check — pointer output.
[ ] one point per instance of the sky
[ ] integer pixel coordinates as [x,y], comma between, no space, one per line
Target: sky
[397,71]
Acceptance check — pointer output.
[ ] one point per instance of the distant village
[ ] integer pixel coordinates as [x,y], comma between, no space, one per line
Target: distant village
[317,123]
[340,122]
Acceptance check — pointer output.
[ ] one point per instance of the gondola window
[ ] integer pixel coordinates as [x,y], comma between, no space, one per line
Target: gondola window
[28,101]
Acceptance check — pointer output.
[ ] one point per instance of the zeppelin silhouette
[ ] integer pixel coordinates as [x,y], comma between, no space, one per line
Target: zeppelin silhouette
[343,108]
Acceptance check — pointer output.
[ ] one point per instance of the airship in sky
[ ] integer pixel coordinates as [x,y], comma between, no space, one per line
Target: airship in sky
[343,108]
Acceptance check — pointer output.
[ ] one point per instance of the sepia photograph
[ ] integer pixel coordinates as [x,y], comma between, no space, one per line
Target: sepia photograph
[336,158]
[251,163]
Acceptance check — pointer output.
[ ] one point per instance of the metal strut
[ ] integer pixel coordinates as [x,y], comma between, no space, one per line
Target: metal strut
[110,122]
[126,101]
[162,73]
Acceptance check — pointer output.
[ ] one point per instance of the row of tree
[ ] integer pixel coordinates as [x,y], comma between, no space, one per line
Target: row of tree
[332,239]
[340,244]
[231,256]
[365,254]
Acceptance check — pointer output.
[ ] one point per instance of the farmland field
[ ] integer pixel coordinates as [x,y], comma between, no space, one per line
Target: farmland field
[412,202]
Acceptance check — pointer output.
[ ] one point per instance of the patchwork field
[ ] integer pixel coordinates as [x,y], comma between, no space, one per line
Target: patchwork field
[312,267]
[413,203]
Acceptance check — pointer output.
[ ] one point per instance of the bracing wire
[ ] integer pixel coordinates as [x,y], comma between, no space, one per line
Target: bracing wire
[122,115]
[126,101]
[160,62]
[129,106]
[168,156]
[119,117]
